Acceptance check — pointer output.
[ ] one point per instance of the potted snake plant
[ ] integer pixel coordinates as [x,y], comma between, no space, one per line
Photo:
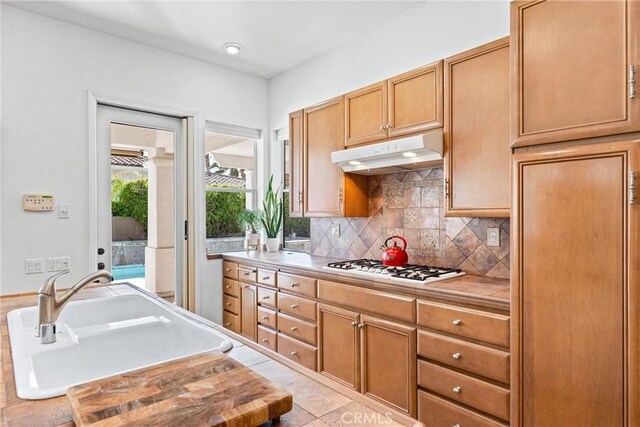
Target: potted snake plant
[250,220]
[272,216]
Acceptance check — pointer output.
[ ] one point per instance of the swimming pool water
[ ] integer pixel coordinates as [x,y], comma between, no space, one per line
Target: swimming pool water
[131,271]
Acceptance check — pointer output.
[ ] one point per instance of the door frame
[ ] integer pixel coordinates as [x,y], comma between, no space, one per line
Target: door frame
[193,134]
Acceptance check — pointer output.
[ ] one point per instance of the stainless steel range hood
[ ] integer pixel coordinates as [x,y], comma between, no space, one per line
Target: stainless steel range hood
[400,155]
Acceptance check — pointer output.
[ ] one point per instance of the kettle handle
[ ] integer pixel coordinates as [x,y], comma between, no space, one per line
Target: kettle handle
[397,237]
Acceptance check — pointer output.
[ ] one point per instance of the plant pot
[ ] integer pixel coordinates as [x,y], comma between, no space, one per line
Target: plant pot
[273,244]
[253,239]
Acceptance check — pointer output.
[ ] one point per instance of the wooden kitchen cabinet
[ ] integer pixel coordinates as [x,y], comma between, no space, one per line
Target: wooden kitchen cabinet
[415,100]
[296,163]
[389,363]
[572,65]
[339,357]
[575,299]
[366,114]
[329,192]
[477,153]
[248,311]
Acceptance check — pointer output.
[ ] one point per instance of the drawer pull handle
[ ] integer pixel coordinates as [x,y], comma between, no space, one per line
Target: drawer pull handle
[227,287]
[295,284]
[227,270]
[457,389]
[457,322]
[267,297]
[294,353]
[265,340]
[247,273]
[228,304]
[456,425]
[294,305]
[227,324]
[266,278]
[456,356]
[294,328]
[265,317]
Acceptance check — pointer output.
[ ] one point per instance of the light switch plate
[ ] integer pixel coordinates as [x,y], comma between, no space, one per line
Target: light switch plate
[34,265]
[37,202]
[335,230]
[63,210]
[493,237]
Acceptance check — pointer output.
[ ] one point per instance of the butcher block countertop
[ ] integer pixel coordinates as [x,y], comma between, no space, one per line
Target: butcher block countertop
[202,390]
[487,292]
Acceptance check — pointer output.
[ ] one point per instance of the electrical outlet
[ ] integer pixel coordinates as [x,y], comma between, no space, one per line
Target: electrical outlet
[335,230]
[493,237]
[58,263]
[34,265]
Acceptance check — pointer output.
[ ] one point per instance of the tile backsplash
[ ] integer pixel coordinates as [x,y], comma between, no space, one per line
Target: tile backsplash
[411,205]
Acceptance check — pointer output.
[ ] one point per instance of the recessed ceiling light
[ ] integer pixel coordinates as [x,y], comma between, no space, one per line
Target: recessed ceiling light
[232,48]
[409,154]
[354,163]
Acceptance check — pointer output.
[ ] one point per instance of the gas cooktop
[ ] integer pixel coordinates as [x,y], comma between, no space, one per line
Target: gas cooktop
[410,273]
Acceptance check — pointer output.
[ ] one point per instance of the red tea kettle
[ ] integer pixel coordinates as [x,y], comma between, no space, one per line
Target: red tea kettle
[394,256]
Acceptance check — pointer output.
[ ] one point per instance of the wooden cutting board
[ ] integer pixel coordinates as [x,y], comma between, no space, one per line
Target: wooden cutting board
[209,389]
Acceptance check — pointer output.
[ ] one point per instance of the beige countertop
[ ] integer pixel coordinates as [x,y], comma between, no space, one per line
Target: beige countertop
[483,291]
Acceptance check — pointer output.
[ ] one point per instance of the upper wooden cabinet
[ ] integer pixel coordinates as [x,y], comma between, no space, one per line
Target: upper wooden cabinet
[415,100]
[477,149]
[328,190]
[405,104]
[296,163]
[366,114]
[573,70]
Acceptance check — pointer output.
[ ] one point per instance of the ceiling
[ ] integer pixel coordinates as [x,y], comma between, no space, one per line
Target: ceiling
[275,36]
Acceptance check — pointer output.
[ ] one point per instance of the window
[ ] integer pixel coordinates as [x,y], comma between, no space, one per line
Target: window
[297,231]
[230,165]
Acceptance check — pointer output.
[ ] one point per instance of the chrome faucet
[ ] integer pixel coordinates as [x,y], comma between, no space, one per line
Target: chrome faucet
[49,307]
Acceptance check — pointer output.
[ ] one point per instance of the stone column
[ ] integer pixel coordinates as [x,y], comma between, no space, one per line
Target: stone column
[159,269]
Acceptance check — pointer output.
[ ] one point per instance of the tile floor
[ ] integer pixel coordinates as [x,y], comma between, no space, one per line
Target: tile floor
[314,404]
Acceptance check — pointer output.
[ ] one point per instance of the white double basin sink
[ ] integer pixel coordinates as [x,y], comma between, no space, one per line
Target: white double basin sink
[101,337]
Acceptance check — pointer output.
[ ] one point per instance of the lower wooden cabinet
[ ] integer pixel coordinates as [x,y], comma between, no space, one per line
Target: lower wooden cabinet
[248,311]
[436,412]
[389,363]
[339,348]
[268,338]
[231,321]
[299,352]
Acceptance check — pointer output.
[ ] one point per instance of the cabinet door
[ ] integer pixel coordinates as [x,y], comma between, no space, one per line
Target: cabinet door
[571,69]
[296,163]
[477,147]
[415,100]
[248,311]
[339,346]
[324,181]
[574,287]
[366,114]
[389,363]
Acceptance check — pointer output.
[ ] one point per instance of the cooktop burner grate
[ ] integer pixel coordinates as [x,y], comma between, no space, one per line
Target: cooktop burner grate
[412,272]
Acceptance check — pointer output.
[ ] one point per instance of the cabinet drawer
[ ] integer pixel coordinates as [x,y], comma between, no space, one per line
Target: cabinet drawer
[231,304]
[436,412]
[481,360]
[267,317]
[266,277]
[230,287]
[479,325]
[381,303]
[230,269]
[231,321]
[479,394]
[297,351]
[297,306]
[267,297]
[299,329]
[297,284]
[267,338]
[247,274]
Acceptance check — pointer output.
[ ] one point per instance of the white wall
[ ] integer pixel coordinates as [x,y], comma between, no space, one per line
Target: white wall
[423,34]
[47,68]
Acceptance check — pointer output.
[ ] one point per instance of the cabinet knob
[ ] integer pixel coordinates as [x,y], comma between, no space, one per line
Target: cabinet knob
[360,325]
[227,270]
[294,328]
[382,127]
[227,324]
[227,287]
[295,284]
[294,305]
[294,353]
[246,273]
[265,317]
[457,389]
[456,425]
[265,340]
[456,356]
[354,323]
[457,322]
[228,304]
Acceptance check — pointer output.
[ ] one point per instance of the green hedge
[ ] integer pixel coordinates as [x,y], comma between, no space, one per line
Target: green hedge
[222,213]
[300,226]
[130,199]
